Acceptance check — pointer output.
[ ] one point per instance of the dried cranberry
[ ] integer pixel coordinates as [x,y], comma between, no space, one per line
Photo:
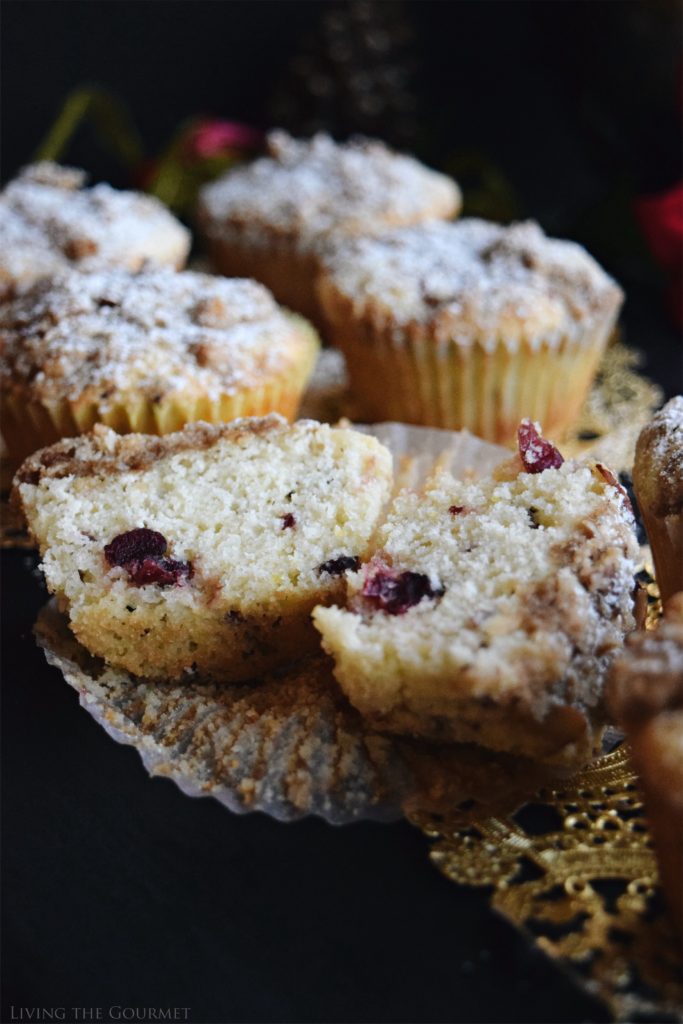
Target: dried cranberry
[337,566]
[288,521]
[134,546]
[395,592]
[140,553]
[536,453]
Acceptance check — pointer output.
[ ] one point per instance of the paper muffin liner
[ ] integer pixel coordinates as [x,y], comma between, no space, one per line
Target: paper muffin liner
[27,426]
[665,534]
[486,386]
[290,744]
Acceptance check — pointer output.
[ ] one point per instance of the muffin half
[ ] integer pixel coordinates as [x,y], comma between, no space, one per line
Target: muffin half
[492,609]
[205,550]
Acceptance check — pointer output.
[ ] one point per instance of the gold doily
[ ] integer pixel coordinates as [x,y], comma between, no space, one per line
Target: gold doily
[575,872]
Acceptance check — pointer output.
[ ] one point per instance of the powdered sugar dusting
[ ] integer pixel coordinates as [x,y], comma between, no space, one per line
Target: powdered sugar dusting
[470,276]
[658,469]
[49,221]
[155,332]
[306,188]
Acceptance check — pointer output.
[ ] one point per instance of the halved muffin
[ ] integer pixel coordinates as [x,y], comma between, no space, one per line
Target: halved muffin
[204,550]
[492,610]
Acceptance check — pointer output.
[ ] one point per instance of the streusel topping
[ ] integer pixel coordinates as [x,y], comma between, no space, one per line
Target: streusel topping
[658,469]
[305,188]
[95,335]
[473,277]
[50,221]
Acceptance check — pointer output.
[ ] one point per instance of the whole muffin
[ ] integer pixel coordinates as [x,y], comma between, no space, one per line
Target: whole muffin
[147,351]
[271,219]
[645,694]
[658,483]
[469,325]
[49,222]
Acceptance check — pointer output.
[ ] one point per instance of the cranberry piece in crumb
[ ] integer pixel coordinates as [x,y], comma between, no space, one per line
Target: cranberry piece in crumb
[288,521]
[134,546]
[165,572]
[140,552]
[395,592]
[610,478]
[536,453]
[336,566]
[455,510]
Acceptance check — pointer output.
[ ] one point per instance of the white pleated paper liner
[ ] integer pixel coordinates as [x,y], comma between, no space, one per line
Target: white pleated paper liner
[290,745]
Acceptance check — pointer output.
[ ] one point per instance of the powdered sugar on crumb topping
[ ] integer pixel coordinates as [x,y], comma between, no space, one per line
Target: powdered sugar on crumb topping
[308,187]
[471,274]
[155,331]
[49,221]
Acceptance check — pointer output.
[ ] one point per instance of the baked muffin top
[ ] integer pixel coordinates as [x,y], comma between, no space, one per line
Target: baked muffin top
[49,221]
[658,466]
[306,188]
[91,337]
[472,278]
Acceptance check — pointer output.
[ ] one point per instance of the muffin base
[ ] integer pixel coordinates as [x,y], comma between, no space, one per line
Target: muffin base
[284,269]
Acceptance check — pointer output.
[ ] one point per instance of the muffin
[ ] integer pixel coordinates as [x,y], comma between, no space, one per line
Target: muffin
[146,351]
[658,484]
[205,550]
[49,222]
[271,220]
[645,694]
[492,609]
[468,325]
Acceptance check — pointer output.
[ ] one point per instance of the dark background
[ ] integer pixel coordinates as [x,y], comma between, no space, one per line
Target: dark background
[117,889]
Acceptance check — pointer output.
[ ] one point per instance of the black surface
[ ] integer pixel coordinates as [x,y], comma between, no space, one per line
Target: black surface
[118,891]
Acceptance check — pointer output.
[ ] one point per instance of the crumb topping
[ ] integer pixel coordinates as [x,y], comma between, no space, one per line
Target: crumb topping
[50,221]
[658,467]
[95,336]
[305,188]
[472,278]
